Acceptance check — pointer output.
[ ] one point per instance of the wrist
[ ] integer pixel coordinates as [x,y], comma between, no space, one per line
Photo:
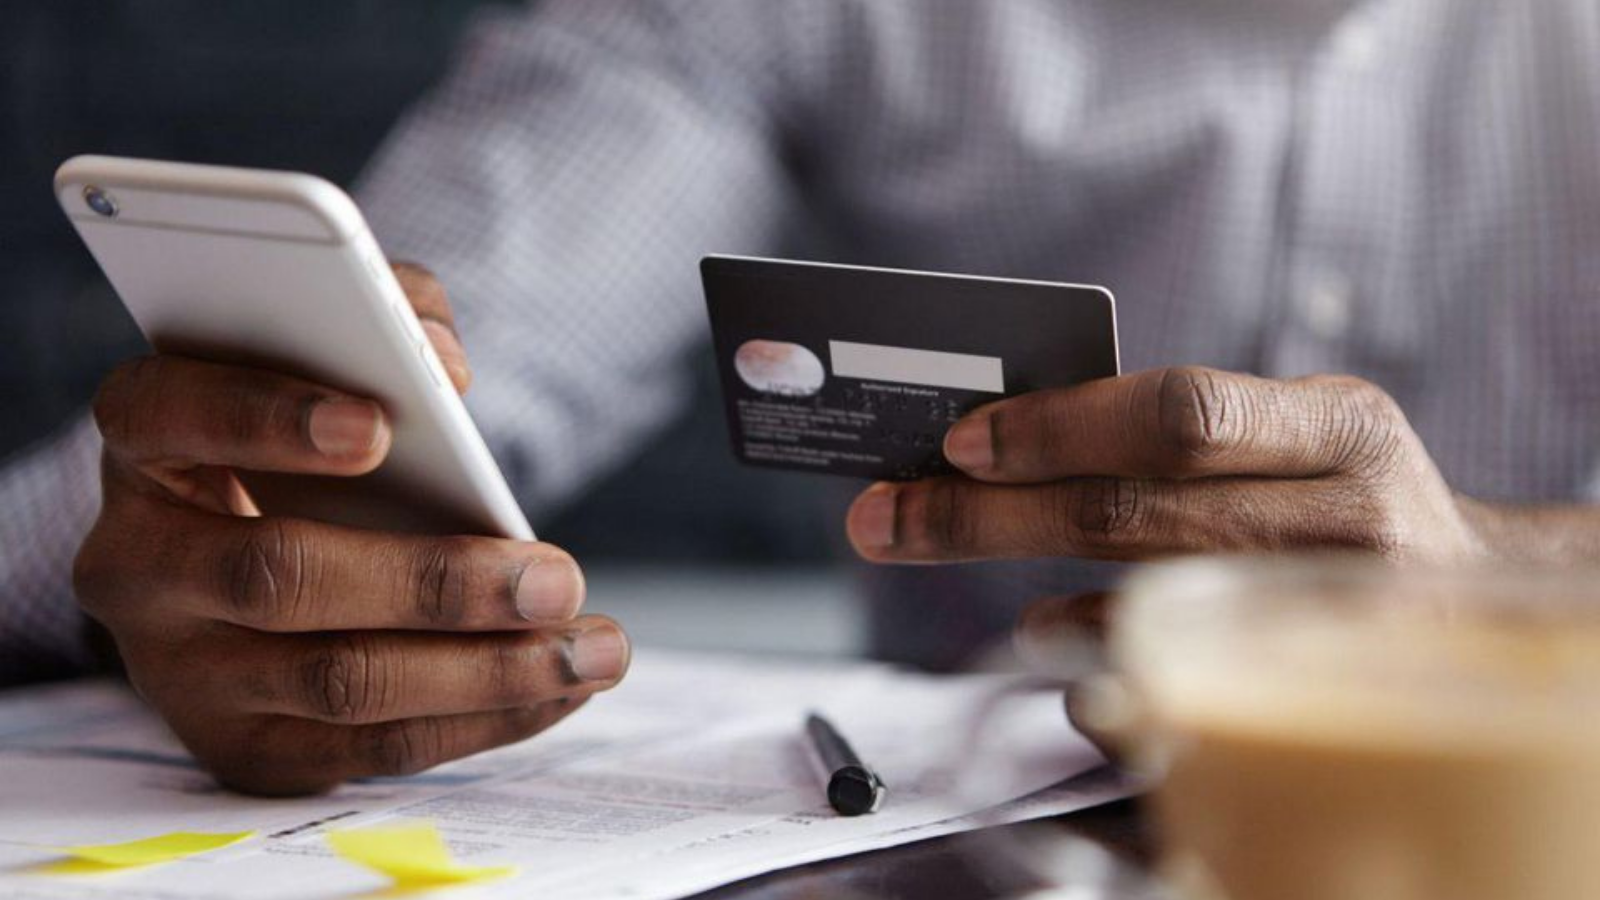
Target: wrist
[1556,534]
[1486,528]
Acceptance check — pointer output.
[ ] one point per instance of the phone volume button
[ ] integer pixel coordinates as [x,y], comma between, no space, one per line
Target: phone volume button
[375,266]
[430,362]
[407,321]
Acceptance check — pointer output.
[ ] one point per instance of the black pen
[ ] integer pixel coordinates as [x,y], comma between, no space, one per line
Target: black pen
[853,789]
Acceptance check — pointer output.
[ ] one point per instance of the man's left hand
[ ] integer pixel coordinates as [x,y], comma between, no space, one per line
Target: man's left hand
[1173,461]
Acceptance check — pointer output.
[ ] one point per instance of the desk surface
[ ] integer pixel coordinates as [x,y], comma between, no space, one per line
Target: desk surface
[1112,842]
[815,612]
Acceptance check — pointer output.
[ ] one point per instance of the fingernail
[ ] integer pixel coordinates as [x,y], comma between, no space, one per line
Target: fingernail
[549,589]
[345,427]
[969,444]
[438,332]
[460,375]
[872,520]
[599,654]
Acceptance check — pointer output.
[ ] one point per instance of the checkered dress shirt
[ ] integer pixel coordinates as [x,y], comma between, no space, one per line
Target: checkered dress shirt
[1406,190]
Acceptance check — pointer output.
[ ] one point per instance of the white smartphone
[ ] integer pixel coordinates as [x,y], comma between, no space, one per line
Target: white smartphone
[278,270]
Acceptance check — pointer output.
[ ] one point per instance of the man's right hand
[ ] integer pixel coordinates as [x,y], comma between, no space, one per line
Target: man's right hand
[290,655]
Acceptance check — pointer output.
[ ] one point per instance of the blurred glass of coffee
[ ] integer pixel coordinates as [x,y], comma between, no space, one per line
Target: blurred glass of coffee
[1335,729]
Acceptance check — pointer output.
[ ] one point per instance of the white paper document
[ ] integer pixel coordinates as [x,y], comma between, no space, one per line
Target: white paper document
[692,775]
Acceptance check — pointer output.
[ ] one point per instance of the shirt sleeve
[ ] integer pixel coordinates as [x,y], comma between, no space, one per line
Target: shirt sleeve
[49,497]
[563,183]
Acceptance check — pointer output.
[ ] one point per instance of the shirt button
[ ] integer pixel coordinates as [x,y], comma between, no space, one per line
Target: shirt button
[1325,305]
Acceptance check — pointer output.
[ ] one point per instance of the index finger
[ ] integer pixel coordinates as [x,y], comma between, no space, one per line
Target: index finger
[174,411]
[292,575]
[1174,423]
[298,575]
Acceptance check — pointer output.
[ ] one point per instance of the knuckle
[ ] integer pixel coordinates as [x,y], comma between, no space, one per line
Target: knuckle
[441,582]
[1362,399]
[346,681]
[1368,427]
[507,677]
[1379,528]
[1103,514]
[1196,414]
[1354,519]
[124,559]
[934,517]
[1042,530]
[407,746]
[248,416]
[268,576]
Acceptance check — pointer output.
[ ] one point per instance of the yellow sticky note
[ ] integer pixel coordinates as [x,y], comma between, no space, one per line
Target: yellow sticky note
[415,856]
[159,849]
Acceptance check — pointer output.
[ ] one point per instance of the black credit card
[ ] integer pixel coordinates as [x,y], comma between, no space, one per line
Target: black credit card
[859,371]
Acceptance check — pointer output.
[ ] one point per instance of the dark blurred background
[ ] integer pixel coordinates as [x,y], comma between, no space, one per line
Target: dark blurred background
[314,86]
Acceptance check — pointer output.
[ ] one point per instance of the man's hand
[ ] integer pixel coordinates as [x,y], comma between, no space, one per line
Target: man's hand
[1175,461]
[290,655]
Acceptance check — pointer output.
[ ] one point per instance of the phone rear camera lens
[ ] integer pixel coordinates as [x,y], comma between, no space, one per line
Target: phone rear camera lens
[100,201]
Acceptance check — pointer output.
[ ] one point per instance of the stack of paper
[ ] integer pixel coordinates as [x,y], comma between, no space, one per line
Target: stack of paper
[692,775]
